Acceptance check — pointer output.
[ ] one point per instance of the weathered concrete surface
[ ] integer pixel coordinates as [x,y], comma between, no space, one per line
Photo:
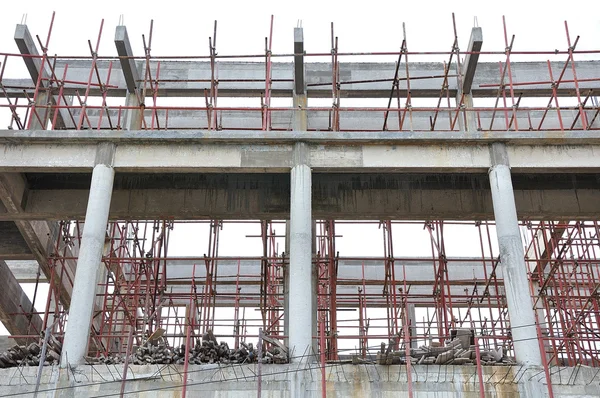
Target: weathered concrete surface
[342,381]
[301,267]
[462,274]
[318,78]
[368,119]
[27,46]
[334,195]
[510,244]
[199,151]
[25,271]
[12,244]
[89,262]
[203,136]
[40,235]
[14,303]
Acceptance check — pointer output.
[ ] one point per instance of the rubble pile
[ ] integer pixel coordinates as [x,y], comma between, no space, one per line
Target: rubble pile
[30,355]
[205,350]
[458,351]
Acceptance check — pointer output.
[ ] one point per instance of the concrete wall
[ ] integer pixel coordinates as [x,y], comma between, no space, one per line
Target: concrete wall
[342,381]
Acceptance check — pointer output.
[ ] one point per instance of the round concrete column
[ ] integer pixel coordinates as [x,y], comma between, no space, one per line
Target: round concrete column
[300,293]
[512,258]
[90,257]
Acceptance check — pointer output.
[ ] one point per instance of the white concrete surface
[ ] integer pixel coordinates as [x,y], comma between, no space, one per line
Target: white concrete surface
[512,258]
[88,265]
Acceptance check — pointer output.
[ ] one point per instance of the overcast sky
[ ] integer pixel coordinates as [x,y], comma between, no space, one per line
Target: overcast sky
[376,25]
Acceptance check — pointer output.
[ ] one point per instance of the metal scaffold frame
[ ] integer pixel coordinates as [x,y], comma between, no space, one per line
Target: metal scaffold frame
[361,301]
[61,100]
[134,292]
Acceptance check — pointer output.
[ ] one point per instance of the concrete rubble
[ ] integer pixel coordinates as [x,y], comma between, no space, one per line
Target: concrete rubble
[460,350]
[205,350]
[30,355]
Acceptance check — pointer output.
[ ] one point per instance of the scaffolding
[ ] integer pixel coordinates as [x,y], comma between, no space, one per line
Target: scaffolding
[361,300]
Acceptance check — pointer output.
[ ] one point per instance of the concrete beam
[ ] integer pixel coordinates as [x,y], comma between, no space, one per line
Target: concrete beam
[254,137]
[231,152]
[39,235]
[14,303]
[128,64]
[350,120]
[420,271]
[335,196]
[132,118]
[461,271]
[470,62]
[28,49]
[25,271]
[318,79]
[12,244]
[347,295]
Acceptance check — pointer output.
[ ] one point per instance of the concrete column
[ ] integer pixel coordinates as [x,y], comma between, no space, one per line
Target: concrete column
[132,118]
[512,258]
[90,256]
[301,277]
[465,81]
[412,318]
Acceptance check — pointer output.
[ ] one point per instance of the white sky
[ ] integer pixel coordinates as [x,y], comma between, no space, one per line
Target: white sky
[183,28]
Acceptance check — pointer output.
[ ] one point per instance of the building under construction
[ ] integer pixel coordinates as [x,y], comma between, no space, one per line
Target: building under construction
[300,224]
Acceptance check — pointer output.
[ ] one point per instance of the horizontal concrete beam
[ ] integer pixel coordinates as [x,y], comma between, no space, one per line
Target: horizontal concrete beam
[347,296]
[357,80]
[419,271]
[335,196]
[170,152]
[25,271]
[463,273]
[255,137]
[349,120]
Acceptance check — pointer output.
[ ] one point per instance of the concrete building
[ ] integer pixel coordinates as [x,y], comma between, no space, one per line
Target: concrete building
[101,164]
